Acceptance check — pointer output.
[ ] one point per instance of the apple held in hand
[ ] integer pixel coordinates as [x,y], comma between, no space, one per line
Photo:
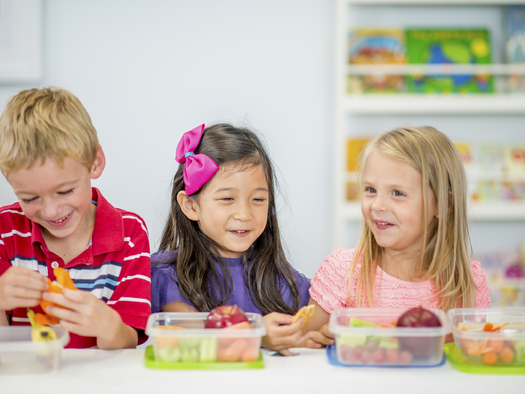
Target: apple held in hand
[225,316]
[422,347]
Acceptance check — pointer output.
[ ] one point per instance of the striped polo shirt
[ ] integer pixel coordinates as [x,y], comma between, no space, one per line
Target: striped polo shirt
[115,267]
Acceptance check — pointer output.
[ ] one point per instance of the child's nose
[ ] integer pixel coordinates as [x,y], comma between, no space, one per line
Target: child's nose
[379,204]
[50,209]
[242,213]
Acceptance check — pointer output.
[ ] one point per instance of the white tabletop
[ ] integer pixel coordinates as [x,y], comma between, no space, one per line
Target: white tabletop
[123,371]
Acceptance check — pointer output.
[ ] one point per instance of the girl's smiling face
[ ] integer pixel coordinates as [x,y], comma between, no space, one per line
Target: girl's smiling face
[392,204]
[232,210]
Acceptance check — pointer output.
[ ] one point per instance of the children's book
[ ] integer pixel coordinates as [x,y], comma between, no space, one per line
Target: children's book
[515,46]
[353,150]
[449,46]
[515,159]
[376,46]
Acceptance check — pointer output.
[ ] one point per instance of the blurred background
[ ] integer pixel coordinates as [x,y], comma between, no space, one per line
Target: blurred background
[148,71]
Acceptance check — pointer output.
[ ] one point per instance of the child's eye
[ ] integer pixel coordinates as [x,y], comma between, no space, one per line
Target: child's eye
[227,199]
[370,189]
[259,199]
[66,192]
[397,193]
[28,200]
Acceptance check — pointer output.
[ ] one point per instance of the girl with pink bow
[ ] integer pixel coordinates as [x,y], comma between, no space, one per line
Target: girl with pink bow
[221,244]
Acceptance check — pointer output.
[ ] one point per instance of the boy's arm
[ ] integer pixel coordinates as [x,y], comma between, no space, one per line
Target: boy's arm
[86,315]
[132,295]
[117,323]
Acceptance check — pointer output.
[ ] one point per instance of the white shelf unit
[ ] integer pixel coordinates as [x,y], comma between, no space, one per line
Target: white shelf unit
[497,104]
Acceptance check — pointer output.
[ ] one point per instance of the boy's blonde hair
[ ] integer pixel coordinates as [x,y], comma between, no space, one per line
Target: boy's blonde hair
[445,257]
[41,123]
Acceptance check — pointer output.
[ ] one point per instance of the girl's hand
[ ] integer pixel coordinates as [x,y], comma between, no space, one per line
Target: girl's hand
[320,338]
[88,316]
[281,334]
[21,287]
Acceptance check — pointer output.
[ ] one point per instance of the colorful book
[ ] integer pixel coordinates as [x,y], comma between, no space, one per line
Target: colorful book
[449,46]
[515,159]
[376,46]
[353,150]
[515,46]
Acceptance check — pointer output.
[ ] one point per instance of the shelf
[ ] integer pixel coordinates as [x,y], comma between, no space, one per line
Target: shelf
[429,69]
[494,212]
[353,112]
[449,104]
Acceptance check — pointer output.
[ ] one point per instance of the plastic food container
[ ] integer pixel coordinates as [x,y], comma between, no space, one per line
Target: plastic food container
[502,348]
[19,354]
[360,340]
[180,341]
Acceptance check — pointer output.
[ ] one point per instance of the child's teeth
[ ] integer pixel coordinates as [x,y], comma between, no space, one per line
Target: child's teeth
[59,221]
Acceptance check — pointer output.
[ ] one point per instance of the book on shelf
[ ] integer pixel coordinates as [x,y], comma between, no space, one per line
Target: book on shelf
[495,171]
[449,46]
[515,159]
[376,46]
[515,45]
[354,146]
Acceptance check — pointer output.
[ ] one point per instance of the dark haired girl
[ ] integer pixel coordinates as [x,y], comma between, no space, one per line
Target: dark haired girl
[221,244]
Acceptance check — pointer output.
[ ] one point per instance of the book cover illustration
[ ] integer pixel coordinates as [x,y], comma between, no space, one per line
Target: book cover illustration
[354,146]
[515,46]
[515,159]
[449,46]
[376,46]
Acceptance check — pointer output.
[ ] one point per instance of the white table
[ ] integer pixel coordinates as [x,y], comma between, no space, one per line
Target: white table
[123,371]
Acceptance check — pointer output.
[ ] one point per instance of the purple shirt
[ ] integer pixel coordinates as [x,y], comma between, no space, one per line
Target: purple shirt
[165,288]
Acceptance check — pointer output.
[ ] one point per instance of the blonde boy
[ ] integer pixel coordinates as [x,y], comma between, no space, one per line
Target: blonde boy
[49,152]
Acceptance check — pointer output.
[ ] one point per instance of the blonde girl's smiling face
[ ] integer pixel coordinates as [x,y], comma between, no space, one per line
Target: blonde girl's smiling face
[232,209]
[392,204]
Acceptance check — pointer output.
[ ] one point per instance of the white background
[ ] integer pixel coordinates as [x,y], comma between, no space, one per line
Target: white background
[147,71]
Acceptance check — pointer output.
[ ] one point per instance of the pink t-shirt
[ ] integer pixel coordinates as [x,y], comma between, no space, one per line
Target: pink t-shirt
[330,286]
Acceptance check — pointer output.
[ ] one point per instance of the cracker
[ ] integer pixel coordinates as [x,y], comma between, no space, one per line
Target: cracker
[306,312]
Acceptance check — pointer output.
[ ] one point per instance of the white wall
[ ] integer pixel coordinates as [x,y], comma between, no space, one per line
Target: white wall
[147,71]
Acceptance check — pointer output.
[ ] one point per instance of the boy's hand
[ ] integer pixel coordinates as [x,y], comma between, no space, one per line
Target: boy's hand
[320,338]
[21,287]
[86,315]
[281,334]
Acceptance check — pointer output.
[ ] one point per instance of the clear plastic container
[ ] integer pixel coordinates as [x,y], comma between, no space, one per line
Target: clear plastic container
[504,347]
[180,339]
[360,339]
[19,354]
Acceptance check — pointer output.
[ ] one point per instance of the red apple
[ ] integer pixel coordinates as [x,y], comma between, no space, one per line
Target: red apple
[418,317]
[225,316]
[420,347]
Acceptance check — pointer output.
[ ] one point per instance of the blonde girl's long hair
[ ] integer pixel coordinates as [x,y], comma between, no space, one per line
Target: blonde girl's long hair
[445,256]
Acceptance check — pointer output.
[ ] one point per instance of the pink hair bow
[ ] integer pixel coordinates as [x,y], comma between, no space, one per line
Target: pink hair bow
[198,168]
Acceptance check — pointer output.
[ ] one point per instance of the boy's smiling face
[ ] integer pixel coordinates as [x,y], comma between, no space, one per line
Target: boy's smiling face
[58,198]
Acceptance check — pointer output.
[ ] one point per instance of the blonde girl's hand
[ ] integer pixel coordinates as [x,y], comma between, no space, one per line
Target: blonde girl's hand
[320,338]
[281,334]
[88,316]
[21,287]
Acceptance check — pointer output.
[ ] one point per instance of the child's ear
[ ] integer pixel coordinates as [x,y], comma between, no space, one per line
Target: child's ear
[98,164]
[187,206]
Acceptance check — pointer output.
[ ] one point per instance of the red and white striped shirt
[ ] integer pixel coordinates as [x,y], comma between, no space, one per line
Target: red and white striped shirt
[115,267]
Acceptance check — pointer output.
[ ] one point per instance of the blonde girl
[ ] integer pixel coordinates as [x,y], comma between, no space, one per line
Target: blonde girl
[414,248]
